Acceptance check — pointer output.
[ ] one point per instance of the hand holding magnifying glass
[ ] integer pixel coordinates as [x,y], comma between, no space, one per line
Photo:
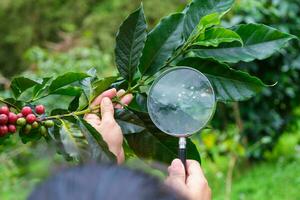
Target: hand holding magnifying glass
[181,102]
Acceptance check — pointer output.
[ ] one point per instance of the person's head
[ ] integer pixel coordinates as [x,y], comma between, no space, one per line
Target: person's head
[103,182]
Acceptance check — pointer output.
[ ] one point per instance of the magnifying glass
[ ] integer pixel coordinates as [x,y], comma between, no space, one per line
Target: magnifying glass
[181,102]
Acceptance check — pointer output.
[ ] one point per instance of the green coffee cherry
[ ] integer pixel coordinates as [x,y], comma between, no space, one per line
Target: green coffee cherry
[21,121]
[43,130]
[35,125]
[49,123]
[27,128]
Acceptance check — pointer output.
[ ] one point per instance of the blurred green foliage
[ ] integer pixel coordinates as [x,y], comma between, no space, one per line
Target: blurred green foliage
[62,24]
[271,180]
[265,117]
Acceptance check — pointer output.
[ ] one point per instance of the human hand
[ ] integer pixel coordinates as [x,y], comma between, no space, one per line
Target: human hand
[107,125]
[194,186]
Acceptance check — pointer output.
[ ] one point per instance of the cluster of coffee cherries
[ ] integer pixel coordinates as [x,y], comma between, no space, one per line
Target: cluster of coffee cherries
[27,120]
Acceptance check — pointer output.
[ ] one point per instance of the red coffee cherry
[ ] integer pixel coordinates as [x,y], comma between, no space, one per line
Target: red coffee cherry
[40,109]
[26,111]
[3,130]
[12,128]
[12,118]
[30,118]
[3,119]
[4,110]
[19,115]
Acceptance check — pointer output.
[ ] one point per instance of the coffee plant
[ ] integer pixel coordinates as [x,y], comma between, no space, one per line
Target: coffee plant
[193,37]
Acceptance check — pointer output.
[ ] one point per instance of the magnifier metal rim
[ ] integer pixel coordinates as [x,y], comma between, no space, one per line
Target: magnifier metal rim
[158,79]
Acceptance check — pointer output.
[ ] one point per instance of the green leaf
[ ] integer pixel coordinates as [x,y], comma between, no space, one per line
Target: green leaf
[200,8]
[21,84]
[209,21]
[66,79]
[73,106]
[153,144]
[98,147]
[215,36]
[68,91]
[260,42]
[73,141]
[103,84]
[87,84]
[161,43]
[139,103]
[130,42]
[54,138]
[40,88]
[229,84]
[128,121]
[16,104]
[206,22]
[159,146]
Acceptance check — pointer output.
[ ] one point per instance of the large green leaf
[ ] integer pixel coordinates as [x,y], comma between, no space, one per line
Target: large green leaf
[68,91]
[205,23]
[260,41]
[200,8]
[87,83]
[73,141]
[128,121]
[159,146]
[74,104]
[229,84]
[40,88]
[215,36]
[161,43]
[103,84]
[21,84]
[130,42]
[66,79]
[98,147]
[153,144]
[139,103]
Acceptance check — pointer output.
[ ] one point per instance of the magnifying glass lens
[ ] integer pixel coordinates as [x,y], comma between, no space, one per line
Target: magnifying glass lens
[181,101]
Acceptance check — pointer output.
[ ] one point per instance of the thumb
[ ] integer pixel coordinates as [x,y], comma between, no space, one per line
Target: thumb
[107,109]
[176,178]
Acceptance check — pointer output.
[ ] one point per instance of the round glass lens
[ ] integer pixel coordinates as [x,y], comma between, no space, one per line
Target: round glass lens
[181,101]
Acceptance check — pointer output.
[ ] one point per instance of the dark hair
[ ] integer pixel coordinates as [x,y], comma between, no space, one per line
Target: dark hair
[103,182]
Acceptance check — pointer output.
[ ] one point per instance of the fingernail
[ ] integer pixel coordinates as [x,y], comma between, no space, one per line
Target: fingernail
[106,101]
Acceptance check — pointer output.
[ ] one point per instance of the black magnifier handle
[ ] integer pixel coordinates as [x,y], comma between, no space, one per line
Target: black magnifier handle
[182,152]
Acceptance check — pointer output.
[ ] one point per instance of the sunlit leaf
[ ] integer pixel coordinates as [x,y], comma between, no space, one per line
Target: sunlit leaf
[130,42]
[161,43]
[260,42]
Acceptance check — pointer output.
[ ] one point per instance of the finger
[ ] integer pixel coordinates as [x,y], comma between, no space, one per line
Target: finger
[93,119]
[107,110]
[127,99]
[119,94]
[196,178]
[108,93]
[176,178]
[194,168]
